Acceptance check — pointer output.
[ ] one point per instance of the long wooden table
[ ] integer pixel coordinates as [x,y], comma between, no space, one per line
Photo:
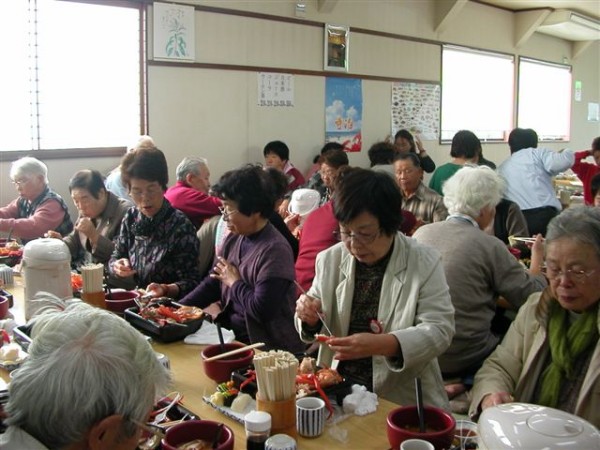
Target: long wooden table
[366,432]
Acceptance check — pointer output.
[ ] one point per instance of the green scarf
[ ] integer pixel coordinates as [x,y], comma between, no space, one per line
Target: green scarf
[567,343]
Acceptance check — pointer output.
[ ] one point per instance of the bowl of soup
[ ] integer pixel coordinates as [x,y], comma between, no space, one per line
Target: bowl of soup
[197,434]
[403,424]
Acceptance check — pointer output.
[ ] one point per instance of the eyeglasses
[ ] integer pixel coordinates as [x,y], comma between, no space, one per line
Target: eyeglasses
[154,434]
[20,182]
[226,213]
[148,193]
[359,238]
[576,276]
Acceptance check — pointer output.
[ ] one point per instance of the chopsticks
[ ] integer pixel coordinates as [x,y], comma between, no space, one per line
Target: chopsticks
[235,352]
[523,239]
[321,318]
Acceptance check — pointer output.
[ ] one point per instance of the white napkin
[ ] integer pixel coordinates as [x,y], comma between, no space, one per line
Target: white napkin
[207,334]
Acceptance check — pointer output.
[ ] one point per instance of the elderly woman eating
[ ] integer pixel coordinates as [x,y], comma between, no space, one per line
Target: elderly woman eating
[157,245]
[253,276]
[479,269]
[383,296]
[38,208]
[100,216]
[551,353]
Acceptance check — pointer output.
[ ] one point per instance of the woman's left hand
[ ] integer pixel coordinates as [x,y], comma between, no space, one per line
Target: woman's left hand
[364,345]
[224,272]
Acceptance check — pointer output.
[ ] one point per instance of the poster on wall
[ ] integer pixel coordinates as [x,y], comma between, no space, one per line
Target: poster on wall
[275,89]
[343,112]
[174,36]
[336,48]
[416,107]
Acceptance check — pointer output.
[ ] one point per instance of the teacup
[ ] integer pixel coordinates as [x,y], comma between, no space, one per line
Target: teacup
[310,416]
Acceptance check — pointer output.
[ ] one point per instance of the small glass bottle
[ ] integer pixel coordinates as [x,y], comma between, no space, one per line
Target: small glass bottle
[258,428]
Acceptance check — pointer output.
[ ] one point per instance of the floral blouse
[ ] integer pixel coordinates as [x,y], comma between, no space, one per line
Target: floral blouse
[162,249]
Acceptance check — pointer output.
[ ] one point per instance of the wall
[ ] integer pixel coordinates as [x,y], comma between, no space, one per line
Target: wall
[213,113]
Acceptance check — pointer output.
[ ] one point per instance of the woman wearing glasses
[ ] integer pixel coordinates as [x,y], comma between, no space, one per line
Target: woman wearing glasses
[157,246]
[253,276]
[551,353]
[382,295]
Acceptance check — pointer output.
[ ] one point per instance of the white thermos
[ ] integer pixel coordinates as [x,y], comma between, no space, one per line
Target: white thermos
[46,267]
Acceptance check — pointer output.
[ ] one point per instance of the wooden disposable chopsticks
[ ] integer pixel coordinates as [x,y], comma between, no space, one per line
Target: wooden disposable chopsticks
[235,352]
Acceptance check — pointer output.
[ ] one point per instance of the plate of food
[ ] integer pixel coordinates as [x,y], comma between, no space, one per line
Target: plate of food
[236,397]
[165,319]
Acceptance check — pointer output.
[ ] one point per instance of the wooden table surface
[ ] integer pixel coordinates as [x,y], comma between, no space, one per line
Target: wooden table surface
[365,433]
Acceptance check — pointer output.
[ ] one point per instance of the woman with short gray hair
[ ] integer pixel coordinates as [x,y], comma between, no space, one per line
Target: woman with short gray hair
[551,354]
[38,208]
[478,267]
[89,380]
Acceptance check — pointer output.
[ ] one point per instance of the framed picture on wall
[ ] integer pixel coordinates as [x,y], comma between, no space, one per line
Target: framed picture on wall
[336,48]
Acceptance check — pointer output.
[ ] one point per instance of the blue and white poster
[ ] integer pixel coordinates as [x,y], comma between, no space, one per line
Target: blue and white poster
[343,112]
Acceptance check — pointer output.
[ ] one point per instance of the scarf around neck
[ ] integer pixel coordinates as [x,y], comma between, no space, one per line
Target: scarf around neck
[567,344]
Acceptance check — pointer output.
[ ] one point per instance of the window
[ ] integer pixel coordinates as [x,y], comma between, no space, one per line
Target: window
[71,74]
[477,93]
[545,99]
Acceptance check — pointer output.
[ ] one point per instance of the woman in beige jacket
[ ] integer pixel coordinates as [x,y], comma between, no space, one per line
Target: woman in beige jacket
[383,296]
[551,354]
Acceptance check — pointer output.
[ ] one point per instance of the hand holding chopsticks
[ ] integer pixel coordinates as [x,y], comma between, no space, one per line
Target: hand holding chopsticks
[235,352]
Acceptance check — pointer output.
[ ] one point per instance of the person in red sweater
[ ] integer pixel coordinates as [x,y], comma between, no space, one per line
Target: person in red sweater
[277,155]
[190,193]
[586,171]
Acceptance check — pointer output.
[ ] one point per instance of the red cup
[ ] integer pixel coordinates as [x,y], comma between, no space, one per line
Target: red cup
[190,430]
[4,305]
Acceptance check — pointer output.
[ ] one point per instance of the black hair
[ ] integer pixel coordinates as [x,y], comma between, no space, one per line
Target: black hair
[279,181]
[362,190]
[90,180]
[335,158]
[381,153]
[147,164]
[521,138]
[465,145]
[279,148]
[596,144]
[250,187]
[331,146]
[409,137]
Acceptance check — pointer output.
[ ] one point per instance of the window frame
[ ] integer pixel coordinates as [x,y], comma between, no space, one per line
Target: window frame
[96,152]
[543,138]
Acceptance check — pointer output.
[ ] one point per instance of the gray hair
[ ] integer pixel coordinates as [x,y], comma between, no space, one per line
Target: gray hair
[144,141]
[28,166]
[580,223]
[189,164]
[472,189]
[85,364]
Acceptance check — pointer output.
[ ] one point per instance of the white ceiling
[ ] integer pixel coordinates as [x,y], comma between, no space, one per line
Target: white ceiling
[589,8]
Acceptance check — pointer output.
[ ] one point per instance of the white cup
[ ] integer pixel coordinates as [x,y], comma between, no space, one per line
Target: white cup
[310,416]
[416,444]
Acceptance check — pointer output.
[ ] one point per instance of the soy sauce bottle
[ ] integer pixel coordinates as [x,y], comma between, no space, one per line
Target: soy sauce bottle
[258,428]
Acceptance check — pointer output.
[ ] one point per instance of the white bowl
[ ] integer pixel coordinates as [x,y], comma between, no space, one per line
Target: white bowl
[526,426]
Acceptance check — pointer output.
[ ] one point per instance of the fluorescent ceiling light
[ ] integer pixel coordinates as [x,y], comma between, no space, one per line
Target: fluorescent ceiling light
[571,26]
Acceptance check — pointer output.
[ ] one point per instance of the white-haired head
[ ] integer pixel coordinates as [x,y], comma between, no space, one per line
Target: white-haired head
[472,189]
[28,166]
[85,364]
[190,165]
